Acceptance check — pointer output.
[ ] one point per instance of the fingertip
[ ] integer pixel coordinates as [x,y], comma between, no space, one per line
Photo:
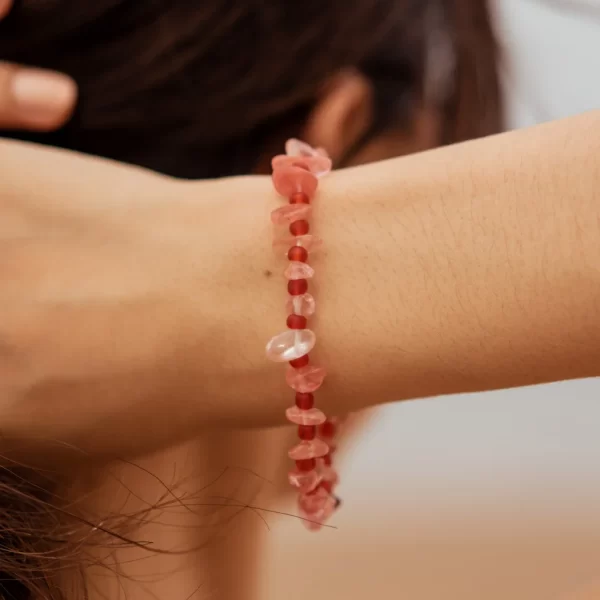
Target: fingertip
[44,99]
[5,6]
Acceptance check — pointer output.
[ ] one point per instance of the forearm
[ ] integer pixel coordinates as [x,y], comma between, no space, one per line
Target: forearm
[469,268]
[138,305]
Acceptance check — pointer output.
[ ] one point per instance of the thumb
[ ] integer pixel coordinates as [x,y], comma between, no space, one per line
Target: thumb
[34,99]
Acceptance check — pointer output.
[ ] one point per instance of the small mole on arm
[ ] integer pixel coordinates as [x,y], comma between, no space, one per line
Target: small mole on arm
[268,273]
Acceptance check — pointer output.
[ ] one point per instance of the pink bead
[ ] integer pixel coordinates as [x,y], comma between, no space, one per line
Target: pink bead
[304,481]
[308,241]
[310,524]
[318,506]
[312,416]
[329,474]
[290,345]
[307,379]
[284,215]
[299,270]
[317,165]
[304,305]
[309,449]
[290,180]
[327,486]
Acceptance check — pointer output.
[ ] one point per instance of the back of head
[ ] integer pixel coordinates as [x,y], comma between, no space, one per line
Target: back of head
[201,89]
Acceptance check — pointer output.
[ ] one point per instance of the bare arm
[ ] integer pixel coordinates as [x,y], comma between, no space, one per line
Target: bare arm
[468,268]
[465,269]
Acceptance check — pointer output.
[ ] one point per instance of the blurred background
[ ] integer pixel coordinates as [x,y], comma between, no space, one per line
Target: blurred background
[482,497]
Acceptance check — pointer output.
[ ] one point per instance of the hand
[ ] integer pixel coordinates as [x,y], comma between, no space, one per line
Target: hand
[120,307]
[97,269]
[33,99]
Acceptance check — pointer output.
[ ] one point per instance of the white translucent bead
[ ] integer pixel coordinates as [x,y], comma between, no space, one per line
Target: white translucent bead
[290,345]
[301,305]
[288,213]
[298,270]
[294,147]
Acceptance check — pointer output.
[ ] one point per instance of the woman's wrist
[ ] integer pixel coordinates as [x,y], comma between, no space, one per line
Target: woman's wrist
[464,269]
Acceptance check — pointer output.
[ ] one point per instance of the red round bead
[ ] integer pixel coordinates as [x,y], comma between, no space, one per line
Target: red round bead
[298,254]
[297,287]
[327,430]
[300,227]
[306,465]
[299,198]
[298,363]
[304,401]
[327,459]
[296,322]
[307,432]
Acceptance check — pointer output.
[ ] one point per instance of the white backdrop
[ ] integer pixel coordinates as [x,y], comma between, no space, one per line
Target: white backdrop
[482,497]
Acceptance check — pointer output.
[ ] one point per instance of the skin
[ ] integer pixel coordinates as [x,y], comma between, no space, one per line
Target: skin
[586,592]
[493,243]
[462,269]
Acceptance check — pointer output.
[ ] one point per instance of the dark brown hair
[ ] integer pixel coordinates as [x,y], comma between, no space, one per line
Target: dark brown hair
[197,89]
[200,89]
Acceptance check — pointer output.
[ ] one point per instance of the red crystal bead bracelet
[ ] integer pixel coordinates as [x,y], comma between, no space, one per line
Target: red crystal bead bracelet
[295,177]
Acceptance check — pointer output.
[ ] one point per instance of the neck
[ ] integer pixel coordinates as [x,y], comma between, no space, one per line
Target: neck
[178,521]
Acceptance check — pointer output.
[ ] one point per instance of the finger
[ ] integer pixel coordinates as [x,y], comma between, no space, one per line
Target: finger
[34,99]
[5,6]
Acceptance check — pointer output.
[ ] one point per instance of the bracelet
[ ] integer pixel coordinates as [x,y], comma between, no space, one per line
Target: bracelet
[295,177]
